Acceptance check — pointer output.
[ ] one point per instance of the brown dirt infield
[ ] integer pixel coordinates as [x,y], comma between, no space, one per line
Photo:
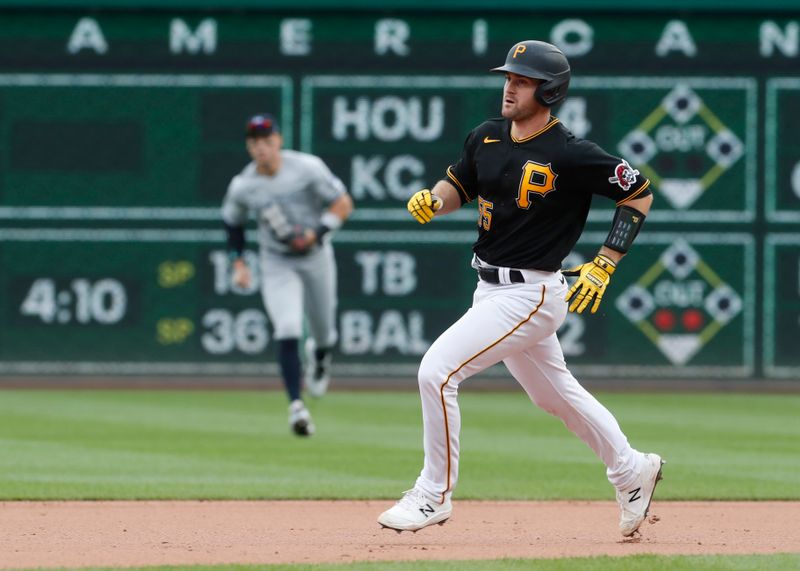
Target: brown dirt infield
[80,534]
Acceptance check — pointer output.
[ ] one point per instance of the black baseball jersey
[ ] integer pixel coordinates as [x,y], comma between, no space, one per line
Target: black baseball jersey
[534,194]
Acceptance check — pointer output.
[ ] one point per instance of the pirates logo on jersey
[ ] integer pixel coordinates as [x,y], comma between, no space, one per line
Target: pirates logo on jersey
[536,178]
[624,175]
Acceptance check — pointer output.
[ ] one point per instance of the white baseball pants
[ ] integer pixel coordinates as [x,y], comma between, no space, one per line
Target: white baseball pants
[296,286]
[516,324]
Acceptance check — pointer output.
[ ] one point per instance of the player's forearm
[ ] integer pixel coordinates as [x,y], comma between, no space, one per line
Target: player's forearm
[342,207]
[449,196]
[612,255]
[333,218]
[640,204]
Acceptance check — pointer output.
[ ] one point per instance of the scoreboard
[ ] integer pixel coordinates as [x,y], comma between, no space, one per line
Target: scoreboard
[150,301]
[120,130]
[157,143]
[687,134]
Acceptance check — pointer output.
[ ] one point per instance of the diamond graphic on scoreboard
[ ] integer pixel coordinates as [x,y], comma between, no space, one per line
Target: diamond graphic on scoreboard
[692,320]
[680,259]
[682,104]
[725,148]
[638,147]
[682,147]
[664,319]
[636,303]
[681,193]
[680,303]
[723,304]
[679,349]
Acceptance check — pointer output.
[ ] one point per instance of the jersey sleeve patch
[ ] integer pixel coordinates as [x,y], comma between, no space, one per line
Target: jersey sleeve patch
[624,175]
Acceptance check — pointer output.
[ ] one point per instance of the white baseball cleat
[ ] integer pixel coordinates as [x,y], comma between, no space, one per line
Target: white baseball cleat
[415,511]
[318,371]
[300,419]
[634,502]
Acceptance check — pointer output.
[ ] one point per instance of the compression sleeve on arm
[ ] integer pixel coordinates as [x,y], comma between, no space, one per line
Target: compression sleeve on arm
[235,239]
[627,223]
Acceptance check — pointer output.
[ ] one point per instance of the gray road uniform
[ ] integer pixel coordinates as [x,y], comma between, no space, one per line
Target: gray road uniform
[298,194]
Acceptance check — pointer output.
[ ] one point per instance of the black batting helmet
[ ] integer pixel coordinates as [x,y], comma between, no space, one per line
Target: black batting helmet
[540,60]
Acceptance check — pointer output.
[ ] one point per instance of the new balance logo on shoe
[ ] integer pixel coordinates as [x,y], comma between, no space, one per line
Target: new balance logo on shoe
[415,511]
[635,503]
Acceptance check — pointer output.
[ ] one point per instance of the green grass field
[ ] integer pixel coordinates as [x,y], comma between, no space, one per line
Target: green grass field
[237,445]
[134,445]
[633,563]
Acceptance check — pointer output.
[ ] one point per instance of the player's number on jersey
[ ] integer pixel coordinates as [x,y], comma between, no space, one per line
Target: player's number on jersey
[536,179]
[485,213]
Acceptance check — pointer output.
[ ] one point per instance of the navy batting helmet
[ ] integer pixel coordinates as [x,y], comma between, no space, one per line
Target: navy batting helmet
[540,60]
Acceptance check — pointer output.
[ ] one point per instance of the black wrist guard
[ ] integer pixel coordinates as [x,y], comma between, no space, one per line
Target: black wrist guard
[235,240]
[321,230]
[627,223]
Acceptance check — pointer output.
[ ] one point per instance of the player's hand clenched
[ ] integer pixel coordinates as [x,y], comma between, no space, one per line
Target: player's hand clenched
[593,278]
[241,273]
[423,205]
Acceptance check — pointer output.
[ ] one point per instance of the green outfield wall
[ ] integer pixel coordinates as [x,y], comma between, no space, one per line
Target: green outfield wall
[438,5]
[120,129]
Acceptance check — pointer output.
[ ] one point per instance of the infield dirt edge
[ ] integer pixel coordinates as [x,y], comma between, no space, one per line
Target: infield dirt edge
[126,533]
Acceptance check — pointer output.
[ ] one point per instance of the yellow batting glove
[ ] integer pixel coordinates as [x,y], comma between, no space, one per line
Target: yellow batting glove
[593,278]
[423,205]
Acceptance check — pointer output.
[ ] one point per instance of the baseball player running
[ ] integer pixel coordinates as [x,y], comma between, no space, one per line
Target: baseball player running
[298,203]
[533,181]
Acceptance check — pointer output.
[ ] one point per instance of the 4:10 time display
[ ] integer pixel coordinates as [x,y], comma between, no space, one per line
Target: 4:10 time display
[103,301]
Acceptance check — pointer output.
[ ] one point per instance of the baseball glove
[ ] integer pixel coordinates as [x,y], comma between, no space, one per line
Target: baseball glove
[301,239]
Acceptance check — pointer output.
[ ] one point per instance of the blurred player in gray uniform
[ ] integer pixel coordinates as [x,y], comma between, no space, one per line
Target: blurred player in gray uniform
[298,203]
